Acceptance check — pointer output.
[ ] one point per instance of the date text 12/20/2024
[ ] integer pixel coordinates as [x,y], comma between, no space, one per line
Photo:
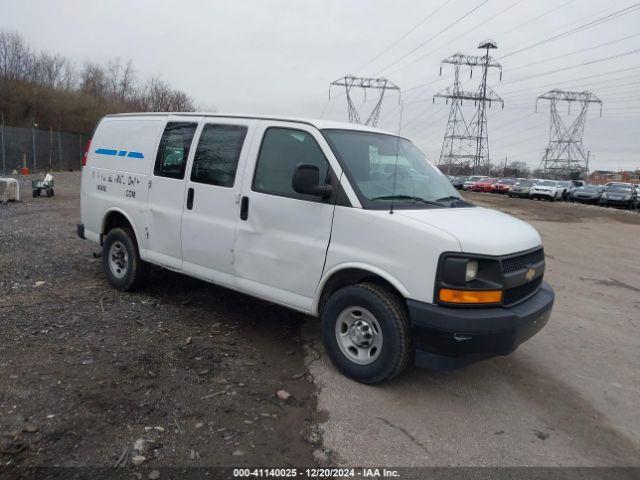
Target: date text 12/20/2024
[315,473]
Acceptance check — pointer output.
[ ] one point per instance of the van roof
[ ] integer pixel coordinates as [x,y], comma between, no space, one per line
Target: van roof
[318,123]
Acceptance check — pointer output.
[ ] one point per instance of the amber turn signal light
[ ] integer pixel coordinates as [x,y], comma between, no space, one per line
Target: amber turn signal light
[470,296]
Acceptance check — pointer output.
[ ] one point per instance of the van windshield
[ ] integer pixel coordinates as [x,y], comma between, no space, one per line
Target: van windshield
[386,169]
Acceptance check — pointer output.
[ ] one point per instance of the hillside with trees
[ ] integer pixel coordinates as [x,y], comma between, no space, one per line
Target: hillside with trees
[37,86]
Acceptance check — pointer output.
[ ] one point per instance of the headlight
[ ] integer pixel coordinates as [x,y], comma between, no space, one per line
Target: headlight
[468,279]
[627,197]
[471,271]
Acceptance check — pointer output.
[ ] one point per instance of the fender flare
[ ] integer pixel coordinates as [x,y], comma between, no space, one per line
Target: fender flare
[111,210]
[360,266]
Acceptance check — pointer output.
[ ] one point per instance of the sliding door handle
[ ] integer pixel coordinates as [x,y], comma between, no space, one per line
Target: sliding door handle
[190,194]
[244,208]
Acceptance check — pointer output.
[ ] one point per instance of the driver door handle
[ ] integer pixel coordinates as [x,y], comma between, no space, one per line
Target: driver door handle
[190,194]
[244,208]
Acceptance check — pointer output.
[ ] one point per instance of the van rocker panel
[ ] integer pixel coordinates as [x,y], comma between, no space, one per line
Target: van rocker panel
[478,332]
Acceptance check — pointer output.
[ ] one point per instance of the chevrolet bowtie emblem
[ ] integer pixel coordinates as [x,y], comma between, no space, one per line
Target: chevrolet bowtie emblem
[530,274]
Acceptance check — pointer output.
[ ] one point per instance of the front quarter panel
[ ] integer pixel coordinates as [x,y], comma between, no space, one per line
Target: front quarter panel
[400,250]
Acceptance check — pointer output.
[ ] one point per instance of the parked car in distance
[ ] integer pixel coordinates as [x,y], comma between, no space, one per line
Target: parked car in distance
[521,188]
[458,182]
[563,189]
[502,185]
[586,194]
[471,180]
[619,195]
[483,185]
[545,189]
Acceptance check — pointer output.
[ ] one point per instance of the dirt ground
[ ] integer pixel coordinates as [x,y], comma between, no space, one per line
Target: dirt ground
[182,373]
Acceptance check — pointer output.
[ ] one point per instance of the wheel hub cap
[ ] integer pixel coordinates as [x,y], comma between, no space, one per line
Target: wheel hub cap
[118,259]
[359,335]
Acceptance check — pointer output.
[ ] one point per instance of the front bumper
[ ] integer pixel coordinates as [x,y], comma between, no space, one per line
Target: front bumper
[542,194]
[587,199]
[621,202]
[468,334]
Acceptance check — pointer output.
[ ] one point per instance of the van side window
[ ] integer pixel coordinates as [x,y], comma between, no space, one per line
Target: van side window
[173,150]
[217,155]
[282,150]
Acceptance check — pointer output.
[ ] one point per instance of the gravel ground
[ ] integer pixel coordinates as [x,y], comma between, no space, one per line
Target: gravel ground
[184,373]
[181,373]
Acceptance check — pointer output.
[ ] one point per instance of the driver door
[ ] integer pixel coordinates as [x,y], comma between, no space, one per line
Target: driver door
[283,236]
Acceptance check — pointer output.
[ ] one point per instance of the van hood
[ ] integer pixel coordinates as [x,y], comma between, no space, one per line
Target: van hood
[479,230]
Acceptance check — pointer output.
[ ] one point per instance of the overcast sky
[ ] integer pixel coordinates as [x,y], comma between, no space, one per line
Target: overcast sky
[278,57]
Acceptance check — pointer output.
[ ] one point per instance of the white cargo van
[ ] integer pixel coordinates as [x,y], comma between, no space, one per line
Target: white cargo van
[341,221]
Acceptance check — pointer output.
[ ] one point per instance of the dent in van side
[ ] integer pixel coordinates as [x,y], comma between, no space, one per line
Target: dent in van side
[386,244]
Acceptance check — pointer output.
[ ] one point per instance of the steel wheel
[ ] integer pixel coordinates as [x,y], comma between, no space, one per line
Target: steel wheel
[118,259]
[359,335]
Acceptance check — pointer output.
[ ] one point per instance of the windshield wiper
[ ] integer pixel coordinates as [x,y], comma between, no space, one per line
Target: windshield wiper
[450,197]
[408,198]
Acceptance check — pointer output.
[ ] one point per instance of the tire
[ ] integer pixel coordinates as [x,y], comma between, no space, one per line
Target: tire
[377,310]
[121,260]
[52,192]
[49,193]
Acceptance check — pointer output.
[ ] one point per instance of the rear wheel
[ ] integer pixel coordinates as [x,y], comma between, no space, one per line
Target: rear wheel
[121,260]
[365,331]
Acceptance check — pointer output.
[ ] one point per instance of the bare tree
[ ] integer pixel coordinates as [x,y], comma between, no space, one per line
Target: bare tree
[15,56]
[47,69]
[93,80]
[55,90]
[121,80]
[160,97]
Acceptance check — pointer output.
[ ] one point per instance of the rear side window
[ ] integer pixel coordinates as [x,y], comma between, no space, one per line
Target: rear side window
[216,158]
[174,149]
[282,150]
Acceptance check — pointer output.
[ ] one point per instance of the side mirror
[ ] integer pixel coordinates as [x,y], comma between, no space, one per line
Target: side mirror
[306,180]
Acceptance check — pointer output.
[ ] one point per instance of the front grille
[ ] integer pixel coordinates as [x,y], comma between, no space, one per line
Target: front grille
[521,292]
[521,261]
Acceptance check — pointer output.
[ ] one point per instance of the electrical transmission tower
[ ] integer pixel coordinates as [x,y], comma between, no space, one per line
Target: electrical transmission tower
[565,153]
[380,84]
[466,144]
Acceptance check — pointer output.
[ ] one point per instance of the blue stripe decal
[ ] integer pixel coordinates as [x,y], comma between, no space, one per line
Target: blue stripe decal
[106,151]
[119,153]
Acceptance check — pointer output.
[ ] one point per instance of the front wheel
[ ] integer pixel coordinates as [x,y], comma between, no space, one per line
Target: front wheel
[121,260]
[365,331]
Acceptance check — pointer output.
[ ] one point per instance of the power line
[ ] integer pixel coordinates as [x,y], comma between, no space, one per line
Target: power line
[611,57]
[620,88]
[422,44]
[517,27]
[546,60]
[405,35]
[593,23]
[536,88]
[448,44]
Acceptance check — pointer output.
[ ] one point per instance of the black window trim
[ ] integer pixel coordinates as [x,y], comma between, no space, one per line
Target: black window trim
[186,160]
[242,146]
[331,177]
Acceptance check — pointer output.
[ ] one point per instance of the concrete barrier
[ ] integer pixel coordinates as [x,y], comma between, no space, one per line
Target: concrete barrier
[9,190]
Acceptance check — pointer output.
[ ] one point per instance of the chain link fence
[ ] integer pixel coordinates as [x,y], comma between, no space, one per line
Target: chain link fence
[39,150]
